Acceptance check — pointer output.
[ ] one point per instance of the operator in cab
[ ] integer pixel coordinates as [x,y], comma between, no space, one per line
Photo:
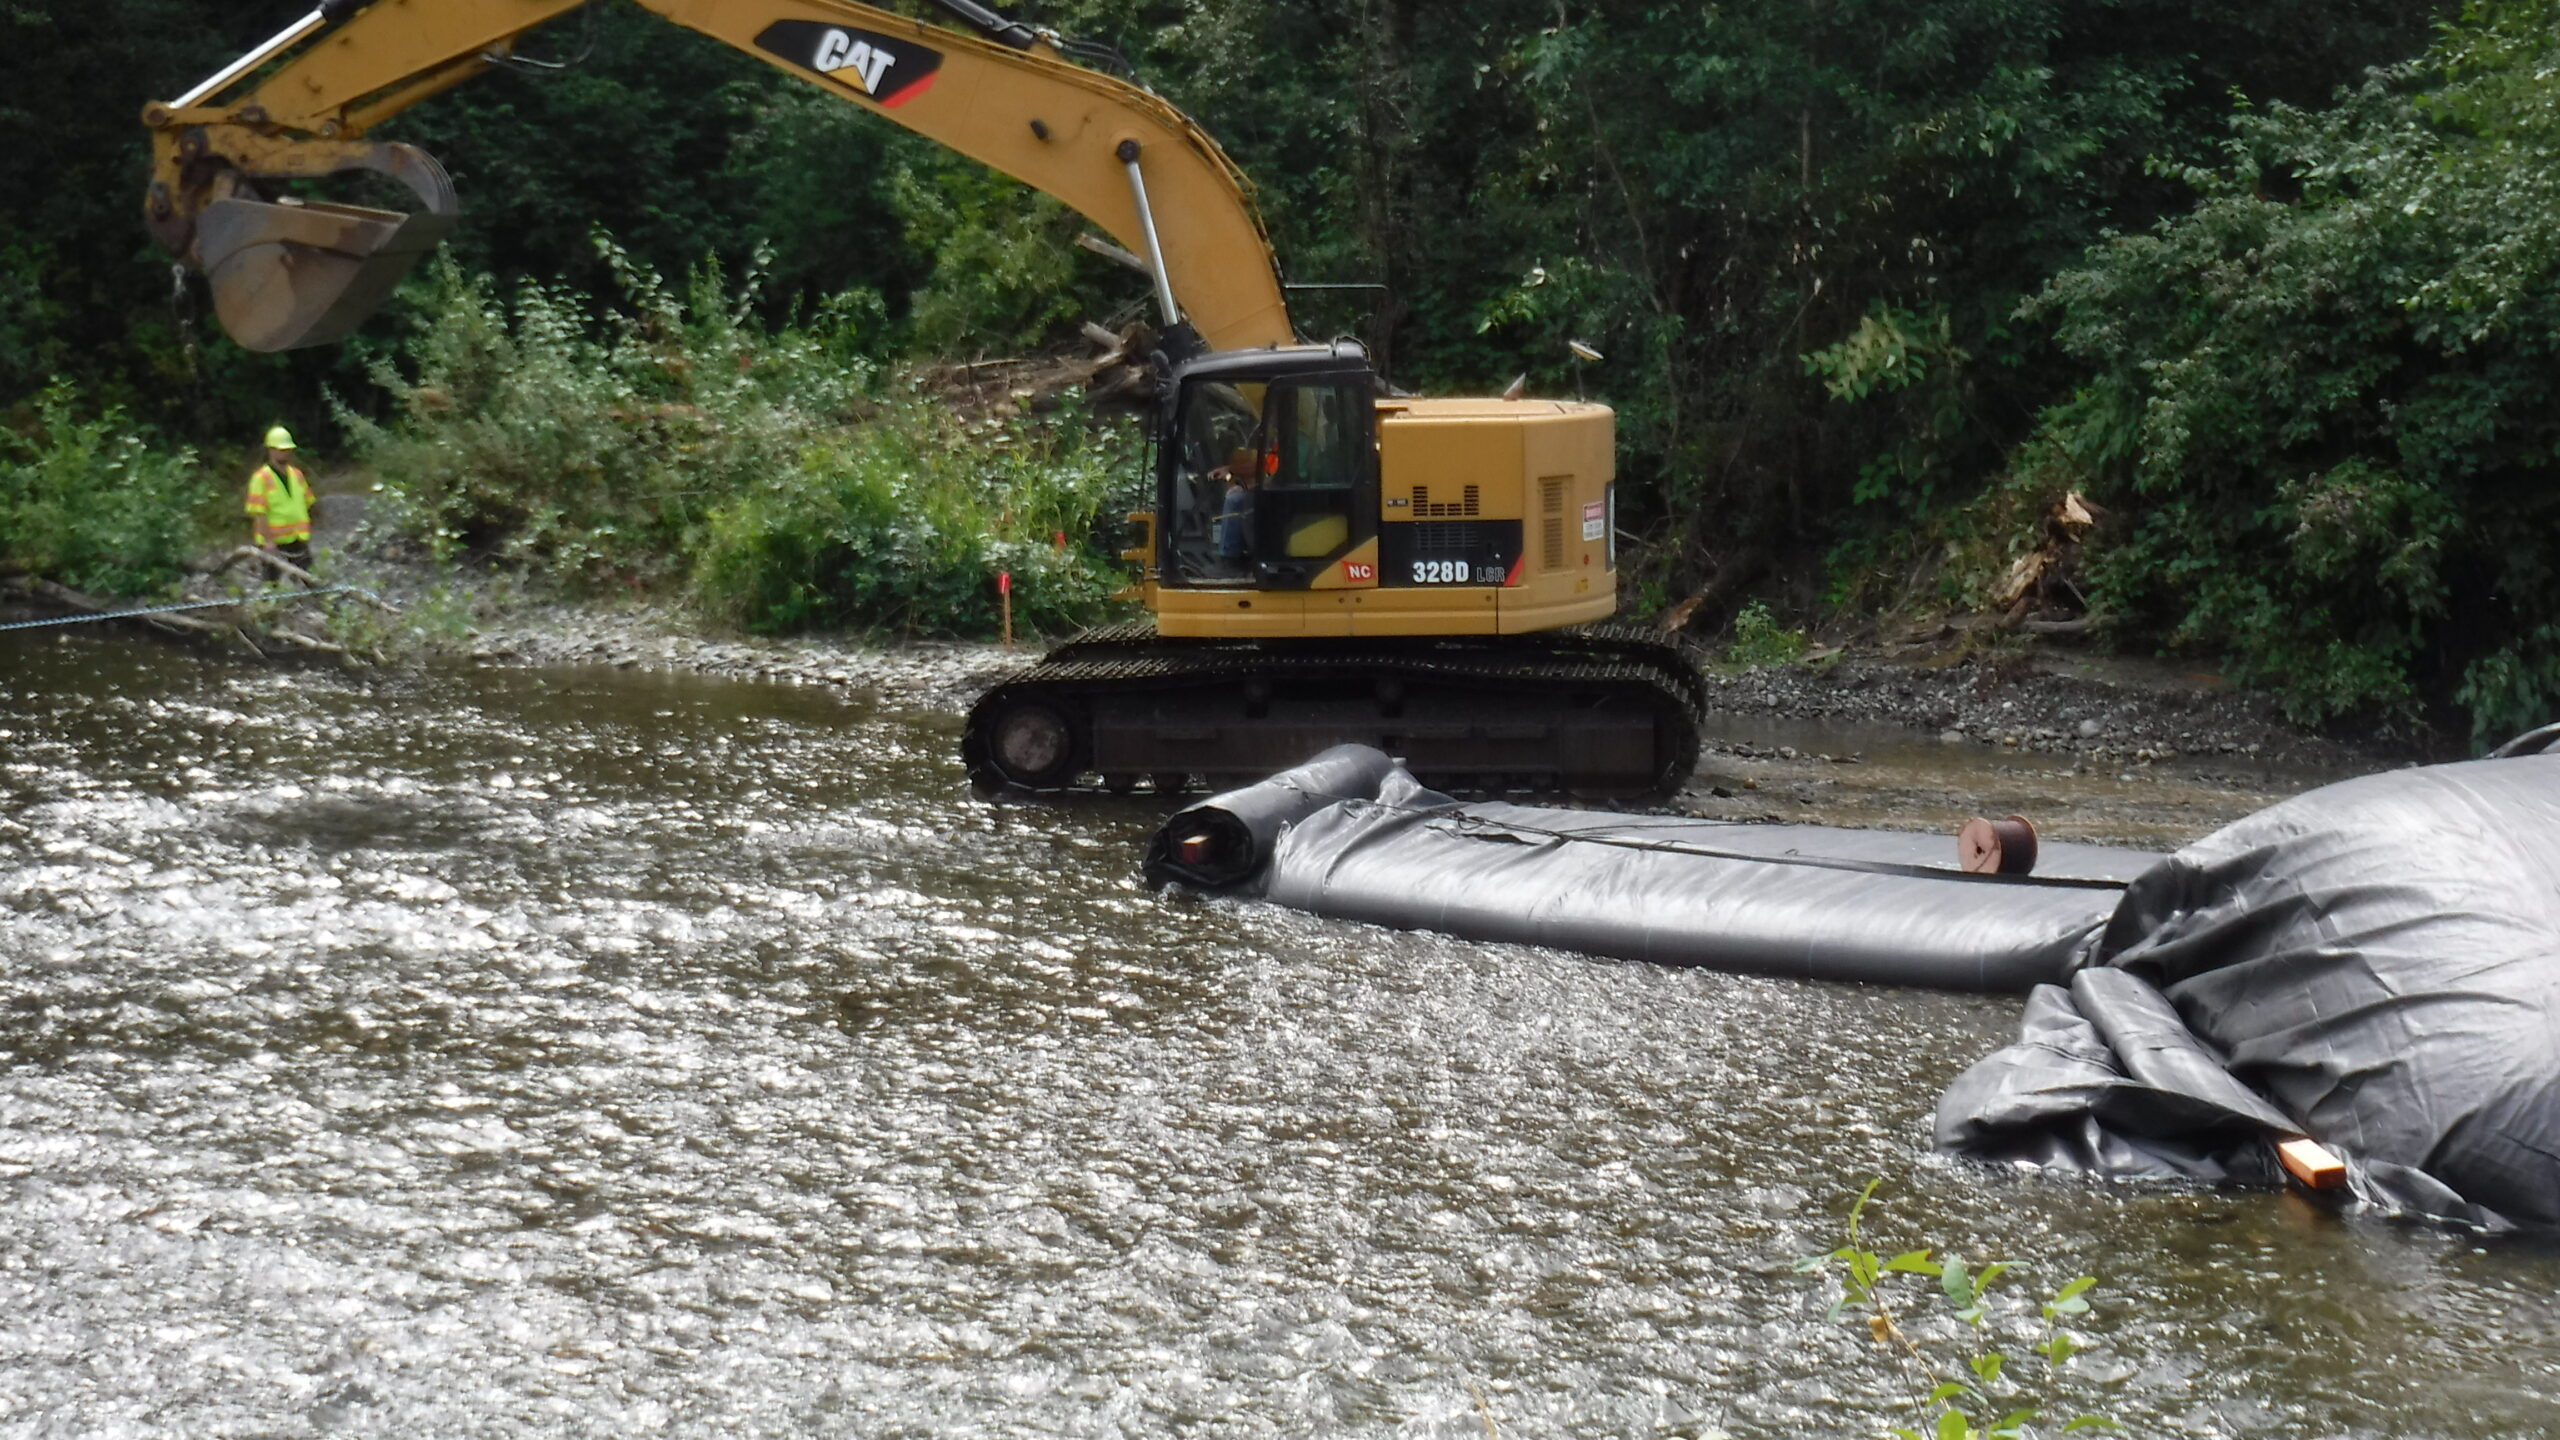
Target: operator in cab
[279,503]
[1235,514]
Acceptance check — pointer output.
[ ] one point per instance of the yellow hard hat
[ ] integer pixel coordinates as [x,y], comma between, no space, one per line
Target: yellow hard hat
[279,438]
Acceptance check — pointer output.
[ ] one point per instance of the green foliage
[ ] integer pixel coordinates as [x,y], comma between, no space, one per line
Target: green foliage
[1758,639]
[2324,401]
[597,452]
[1751,208]
[905,522]
[680,440]
[1962,1380]
[1896,350]
[86,499]
[676,145]
[1712,196]
[1005,259]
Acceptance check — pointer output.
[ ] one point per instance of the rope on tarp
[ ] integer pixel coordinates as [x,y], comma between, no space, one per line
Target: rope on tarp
[273,596]
[1486,827]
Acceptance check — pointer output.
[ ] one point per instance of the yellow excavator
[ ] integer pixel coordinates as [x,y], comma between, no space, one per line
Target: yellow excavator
[1326,561]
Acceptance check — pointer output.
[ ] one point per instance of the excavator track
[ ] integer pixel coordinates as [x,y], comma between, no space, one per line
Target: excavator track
[1603,712]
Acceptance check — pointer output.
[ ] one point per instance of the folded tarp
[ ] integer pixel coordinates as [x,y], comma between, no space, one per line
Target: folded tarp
[2375,963]
[1349,834]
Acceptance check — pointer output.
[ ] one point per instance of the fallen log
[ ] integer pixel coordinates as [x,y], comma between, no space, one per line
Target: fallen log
[1729,579]
[92,605]
[2080,626]
[221,620]
[1113,253]
[286,569]
[305,642]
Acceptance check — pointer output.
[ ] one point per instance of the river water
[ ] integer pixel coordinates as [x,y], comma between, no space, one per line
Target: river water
[596,1052]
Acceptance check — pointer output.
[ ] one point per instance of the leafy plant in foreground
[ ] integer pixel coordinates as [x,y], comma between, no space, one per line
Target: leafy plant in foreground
[1758,639]
[89,500]
[1982,1397]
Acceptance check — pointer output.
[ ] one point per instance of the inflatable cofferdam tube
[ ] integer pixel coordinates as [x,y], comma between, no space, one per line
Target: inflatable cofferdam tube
[1225,840]
[1350,835]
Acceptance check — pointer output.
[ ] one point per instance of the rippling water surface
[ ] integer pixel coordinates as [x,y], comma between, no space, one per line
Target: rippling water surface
[600,1053]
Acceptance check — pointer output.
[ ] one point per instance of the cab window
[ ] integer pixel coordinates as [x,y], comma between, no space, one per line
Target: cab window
[1219,438]
[1321,437]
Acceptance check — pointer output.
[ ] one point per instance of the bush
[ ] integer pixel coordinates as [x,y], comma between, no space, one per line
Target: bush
[596,452]
[2323,401]
[1758,639]
[1961,1384]
[92,503]
[679,441]
[905,522]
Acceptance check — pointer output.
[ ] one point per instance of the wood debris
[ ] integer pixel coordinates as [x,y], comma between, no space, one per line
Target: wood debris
[1116,372]
[2027,591]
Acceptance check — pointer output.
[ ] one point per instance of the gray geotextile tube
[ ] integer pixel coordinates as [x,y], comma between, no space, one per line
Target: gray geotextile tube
[1351,835]
[1772,900]
[1240,825]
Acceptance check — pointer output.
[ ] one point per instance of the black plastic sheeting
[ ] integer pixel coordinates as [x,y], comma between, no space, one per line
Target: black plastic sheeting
[2375,963]
[1350,835]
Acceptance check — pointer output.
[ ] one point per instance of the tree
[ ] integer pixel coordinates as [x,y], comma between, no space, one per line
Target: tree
[2324,399]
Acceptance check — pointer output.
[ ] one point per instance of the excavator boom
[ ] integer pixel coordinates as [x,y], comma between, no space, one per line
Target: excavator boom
[287,274]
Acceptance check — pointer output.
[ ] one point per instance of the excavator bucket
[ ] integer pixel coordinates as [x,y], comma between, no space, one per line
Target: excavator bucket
[289,274]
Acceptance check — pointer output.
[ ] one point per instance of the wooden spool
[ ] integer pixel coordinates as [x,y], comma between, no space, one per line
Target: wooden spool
[1997,847]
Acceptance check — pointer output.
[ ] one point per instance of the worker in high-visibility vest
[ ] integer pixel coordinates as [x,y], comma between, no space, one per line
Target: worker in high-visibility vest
[280,502]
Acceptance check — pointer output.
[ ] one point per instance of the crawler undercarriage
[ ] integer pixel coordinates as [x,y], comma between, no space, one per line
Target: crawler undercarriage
[1600,712]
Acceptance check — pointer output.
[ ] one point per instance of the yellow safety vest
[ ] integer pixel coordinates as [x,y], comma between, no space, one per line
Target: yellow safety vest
[285,502]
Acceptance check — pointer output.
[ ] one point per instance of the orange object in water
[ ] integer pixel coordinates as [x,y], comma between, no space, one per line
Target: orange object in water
[2314,1165]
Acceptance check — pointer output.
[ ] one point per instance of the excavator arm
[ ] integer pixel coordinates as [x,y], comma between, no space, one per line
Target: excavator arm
[287,274]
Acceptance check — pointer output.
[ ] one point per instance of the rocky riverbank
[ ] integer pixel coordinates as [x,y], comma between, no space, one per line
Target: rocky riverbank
[933,674]
[2108,713]
[2105,710]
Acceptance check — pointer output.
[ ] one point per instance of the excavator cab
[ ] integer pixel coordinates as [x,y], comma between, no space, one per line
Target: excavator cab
[1270,479]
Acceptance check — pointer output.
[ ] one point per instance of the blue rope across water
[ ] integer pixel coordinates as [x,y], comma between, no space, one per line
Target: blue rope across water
[195,605]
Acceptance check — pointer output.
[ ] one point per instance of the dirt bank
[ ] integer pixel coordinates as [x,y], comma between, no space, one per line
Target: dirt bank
[2094,748]
[2099,748]
[2102,712]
